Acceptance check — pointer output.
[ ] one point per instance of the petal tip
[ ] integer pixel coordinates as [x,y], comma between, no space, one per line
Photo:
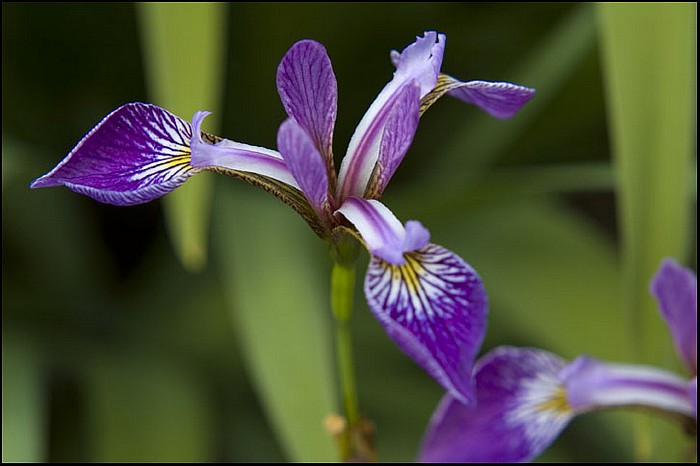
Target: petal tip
[43,182]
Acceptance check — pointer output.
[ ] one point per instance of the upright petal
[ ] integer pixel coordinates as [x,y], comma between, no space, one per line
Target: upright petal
[309,92]
[396,140]
[676,290]
[421,60]
[230,155]
[520,409]
[419,65]
[592,384]
[498,99]
[137,153]
[305,163]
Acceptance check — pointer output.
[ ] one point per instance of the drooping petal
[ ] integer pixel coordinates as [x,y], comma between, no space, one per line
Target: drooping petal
[305,163]
[429,301]
[382,232]
[419,65]
[230,155]
[676,291]
[520,409]
[498,99]
[137,153]
[591,384]
[309,92]
[397,138]
[434,308]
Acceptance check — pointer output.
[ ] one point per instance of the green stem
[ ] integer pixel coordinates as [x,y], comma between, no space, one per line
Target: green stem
[355,437]
[342,290]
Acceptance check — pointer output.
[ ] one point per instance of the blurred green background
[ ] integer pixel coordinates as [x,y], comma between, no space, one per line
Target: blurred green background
[197,328]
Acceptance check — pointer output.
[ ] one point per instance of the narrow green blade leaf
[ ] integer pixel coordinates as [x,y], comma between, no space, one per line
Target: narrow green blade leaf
[650,65]
[547,68]
[274,274]
[505,184]
[649,72]
[183,46]
[24,407]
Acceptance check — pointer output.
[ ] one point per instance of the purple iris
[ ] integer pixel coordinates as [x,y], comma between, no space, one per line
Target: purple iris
[428,299]
[526,397]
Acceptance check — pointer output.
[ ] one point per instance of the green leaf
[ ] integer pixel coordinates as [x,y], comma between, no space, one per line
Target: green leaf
[650,78]
[504,184]
[270,262]
[547,68]
[649,53]
[142,408]
[183,46]
[24,407]
[551,277]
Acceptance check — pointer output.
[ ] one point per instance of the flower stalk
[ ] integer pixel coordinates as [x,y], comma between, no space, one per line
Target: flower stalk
[342,290]
[354,440]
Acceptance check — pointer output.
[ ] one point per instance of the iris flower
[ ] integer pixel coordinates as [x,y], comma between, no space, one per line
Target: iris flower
[527,396]
[427,298]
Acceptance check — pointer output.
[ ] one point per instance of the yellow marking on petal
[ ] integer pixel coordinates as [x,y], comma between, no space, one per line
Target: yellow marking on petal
[395,272]
[171,166]
[557,403]
[407,273]
[407,283]
[179,160]
[409,277]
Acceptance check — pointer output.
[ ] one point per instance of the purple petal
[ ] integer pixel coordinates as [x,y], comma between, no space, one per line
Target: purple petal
[397,138]
[591,384]
[382,232]
[137,153]
[519,411]
[416,236]
[305,164]
[693,396]
[498,99]
[309,92]
[421,60]
[434,308]
[230,155]
[676,291]
[418,64]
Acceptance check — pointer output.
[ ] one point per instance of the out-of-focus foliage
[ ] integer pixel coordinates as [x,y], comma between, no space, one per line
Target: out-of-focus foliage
[184,74]
[650,73]
[113,352]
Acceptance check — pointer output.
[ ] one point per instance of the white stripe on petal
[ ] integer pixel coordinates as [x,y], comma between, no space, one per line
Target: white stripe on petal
[592,384]
[231,155]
